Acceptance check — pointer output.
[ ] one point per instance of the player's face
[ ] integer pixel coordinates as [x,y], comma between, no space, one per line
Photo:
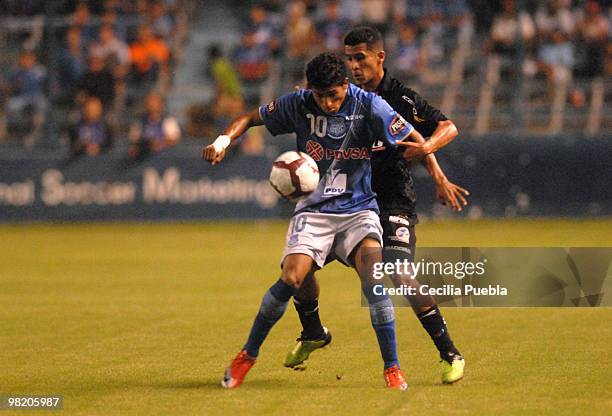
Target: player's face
[366,65]
[330,99]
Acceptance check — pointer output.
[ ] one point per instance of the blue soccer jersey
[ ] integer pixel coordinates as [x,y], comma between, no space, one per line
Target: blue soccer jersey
[340,143]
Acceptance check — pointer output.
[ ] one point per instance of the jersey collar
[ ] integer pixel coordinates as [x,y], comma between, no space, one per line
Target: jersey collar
[385,84]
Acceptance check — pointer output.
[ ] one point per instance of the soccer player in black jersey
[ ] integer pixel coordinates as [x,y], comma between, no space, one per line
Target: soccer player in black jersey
[393,184]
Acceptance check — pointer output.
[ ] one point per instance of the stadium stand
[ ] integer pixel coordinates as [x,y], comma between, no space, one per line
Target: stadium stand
[509,67]
[83,49]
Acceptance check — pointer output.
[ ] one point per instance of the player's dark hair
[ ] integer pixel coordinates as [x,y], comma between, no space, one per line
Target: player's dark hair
[325,70]
[364,34]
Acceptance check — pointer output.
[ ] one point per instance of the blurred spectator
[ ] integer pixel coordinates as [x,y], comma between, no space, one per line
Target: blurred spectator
[593,34]
[376,13]
[509,28]
[556,16]
[408,55]
[556,57]
[262,30]
[300,37]
[457,16]
[91,135]
[82,19]
[229,98]
[25,95]
[351,9]
[72,62]
[117,22]
[113,51]
[98,82]
[140,7]
[223,73]
[161,22]
[150,56]
[275,12]
[155,131]
[119,7]
[332,27]
[252,60]
[434,39]
[415,13]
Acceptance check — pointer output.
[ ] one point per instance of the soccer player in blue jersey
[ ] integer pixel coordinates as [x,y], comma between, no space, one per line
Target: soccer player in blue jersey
[337,123]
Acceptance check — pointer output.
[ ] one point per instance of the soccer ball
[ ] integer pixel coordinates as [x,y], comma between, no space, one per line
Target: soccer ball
[294,175]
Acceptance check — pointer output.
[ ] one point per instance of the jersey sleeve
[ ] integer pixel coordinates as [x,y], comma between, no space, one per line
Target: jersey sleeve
[419,112]
[279,115]
[387,124]
[426,110]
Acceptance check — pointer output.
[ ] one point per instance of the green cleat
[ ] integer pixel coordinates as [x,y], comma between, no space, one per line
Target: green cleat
[452,371]
[304,347]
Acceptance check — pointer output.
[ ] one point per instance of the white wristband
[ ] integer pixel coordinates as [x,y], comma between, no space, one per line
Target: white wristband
[221,142]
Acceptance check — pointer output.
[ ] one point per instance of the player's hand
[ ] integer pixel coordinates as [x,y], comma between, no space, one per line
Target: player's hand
[211,155]
[414,151]
[452,194]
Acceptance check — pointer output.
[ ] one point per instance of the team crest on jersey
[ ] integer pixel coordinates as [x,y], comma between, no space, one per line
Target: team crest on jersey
[271,107]
[336,129]
[397,125]
[314,149]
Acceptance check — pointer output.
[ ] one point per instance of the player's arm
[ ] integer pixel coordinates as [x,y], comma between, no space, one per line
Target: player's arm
[444,132]
[446,191]
[443,135]
[396,131]
[215,152]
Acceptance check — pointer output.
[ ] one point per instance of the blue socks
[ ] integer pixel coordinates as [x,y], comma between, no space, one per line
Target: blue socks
[272,307]
[275,301]
[383,321]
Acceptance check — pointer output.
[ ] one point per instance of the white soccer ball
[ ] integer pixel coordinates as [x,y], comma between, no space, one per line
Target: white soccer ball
[294,175]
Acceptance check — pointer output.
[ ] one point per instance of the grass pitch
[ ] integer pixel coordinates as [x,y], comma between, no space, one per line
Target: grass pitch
[142,319]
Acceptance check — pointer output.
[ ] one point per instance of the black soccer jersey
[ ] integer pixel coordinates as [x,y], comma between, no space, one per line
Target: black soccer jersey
[391,178]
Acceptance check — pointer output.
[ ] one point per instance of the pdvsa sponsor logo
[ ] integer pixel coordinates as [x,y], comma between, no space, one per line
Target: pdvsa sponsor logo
[397,125]
[350,153]
[314,149]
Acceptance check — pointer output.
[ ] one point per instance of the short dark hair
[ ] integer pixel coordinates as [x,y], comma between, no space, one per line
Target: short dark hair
[325,70]
[364,34]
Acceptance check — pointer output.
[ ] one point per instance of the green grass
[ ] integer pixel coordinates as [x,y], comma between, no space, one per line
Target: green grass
[142,319]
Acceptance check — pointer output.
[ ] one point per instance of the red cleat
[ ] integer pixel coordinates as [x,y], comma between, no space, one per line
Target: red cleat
[394,377]
[237,371]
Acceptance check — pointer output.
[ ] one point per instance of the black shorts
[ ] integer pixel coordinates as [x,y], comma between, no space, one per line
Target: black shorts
[399,238]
